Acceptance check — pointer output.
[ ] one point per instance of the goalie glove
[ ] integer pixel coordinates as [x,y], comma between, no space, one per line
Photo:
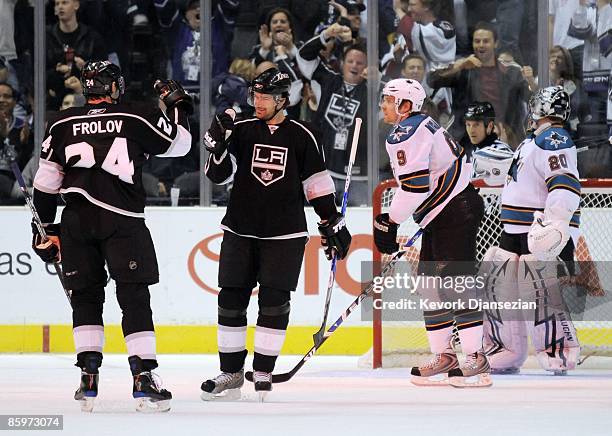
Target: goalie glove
[547,238]
[215,138]
[385,234]
[172,94]
[48,250]
[335,237]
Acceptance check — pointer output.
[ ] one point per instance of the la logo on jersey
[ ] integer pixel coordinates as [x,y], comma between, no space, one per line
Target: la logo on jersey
[268,164]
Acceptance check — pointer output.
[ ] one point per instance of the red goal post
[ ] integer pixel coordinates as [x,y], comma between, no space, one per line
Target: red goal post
[595,244]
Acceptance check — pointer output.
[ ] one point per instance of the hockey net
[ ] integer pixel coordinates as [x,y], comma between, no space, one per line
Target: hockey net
[404,343]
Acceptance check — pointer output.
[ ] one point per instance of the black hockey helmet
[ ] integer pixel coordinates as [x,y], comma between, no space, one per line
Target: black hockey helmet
[480,111]
[97,78]
[272,81]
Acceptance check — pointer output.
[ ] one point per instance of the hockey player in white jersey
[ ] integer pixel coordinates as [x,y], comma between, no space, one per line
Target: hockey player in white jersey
[540,217]
[433,173]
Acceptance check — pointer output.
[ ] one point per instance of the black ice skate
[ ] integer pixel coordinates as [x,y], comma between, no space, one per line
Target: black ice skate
[89,362]
[147,390]
[435,372]
[474,373]
[263,383]
[149,395]
[226,386]
[87,391]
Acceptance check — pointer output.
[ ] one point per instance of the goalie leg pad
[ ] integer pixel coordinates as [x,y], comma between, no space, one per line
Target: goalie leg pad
[550,326]
[505,333]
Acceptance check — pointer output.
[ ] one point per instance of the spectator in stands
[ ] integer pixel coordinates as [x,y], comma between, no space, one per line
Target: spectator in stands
[560,15]
[230,90]
[183,37]
[414,68]
[593,24]
[72,100]
[311,13]
[16,144]
[509,17]
[8,51]
[432,38]
[343,98]
[69,45]
[479,77]
[277,44]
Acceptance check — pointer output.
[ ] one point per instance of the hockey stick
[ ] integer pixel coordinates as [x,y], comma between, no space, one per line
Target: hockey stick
[38,222]
[283,377]
[318,336]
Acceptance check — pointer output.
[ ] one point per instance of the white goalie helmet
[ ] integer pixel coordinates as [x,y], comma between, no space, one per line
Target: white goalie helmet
[405,89]
[552,101]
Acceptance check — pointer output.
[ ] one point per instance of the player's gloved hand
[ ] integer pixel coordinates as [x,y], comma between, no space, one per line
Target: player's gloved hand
[49,249]
[385,234]
[335,237]
[172,94]
[215,138]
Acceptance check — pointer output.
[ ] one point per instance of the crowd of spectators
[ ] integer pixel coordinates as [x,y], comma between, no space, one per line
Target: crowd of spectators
[462,51]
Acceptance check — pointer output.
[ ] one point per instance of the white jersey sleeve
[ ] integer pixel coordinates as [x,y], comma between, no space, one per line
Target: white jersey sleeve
[557,158]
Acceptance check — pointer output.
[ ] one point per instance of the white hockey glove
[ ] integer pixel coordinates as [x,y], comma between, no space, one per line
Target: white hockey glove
[491,164]
[547,238]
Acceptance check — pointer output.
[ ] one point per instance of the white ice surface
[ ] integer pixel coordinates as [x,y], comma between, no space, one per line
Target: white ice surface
[329,397]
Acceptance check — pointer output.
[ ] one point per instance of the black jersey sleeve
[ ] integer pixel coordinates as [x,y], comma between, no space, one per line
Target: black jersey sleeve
[165,136]
[48,179]
[318,185]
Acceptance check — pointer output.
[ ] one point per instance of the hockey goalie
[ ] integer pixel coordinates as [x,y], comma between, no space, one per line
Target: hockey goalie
[540,220]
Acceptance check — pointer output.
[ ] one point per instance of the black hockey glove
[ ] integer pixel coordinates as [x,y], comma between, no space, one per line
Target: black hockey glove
[385,234]
[335,237]
[215,138]
[49,250]
[172,94]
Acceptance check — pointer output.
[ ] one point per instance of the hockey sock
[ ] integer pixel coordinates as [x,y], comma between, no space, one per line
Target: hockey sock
[88,328]
[232,329]
[469,325]
[137,322]
[271,327]
[439,327]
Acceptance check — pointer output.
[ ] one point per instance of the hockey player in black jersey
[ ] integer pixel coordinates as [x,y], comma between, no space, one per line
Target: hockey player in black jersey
[93,156]
[275,163]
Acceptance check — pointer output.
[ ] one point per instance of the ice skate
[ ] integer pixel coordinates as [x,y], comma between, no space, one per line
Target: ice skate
[263,384]
[87,391]
[149,395]
[474,373]
[226,386]
[435,372]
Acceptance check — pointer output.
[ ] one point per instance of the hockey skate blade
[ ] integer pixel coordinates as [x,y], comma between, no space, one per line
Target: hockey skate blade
[146,405]
[475,381]
[434,380]
[560,372]
[87,404]
[227,395]
[261,396]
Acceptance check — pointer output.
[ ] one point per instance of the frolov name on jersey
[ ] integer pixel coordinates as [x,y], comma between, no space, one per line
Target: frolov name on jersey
[93,127]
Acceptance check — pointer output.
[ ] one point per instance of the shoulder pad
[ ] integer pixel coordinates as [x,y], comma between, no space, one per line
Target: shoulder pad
[554,139]
[447,28]
[405,129]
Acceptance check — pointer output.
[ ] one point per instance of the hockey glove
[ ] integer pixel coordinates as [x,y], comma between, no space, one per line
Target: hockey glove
[385,234]
[335,237]
[172,94]
[49,249]
[215,138]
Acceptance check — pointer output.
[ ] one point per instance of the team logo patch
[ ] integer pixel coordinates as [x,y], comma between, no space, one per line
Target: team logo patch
[556,139]
[268,164]
[401,133]
[341,111]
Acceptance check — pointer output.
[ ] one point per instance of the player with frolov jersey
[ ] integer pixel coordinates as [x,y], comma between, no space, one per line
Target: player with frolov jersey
[275,163]
[93,156]
[433,174]
[540,216]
